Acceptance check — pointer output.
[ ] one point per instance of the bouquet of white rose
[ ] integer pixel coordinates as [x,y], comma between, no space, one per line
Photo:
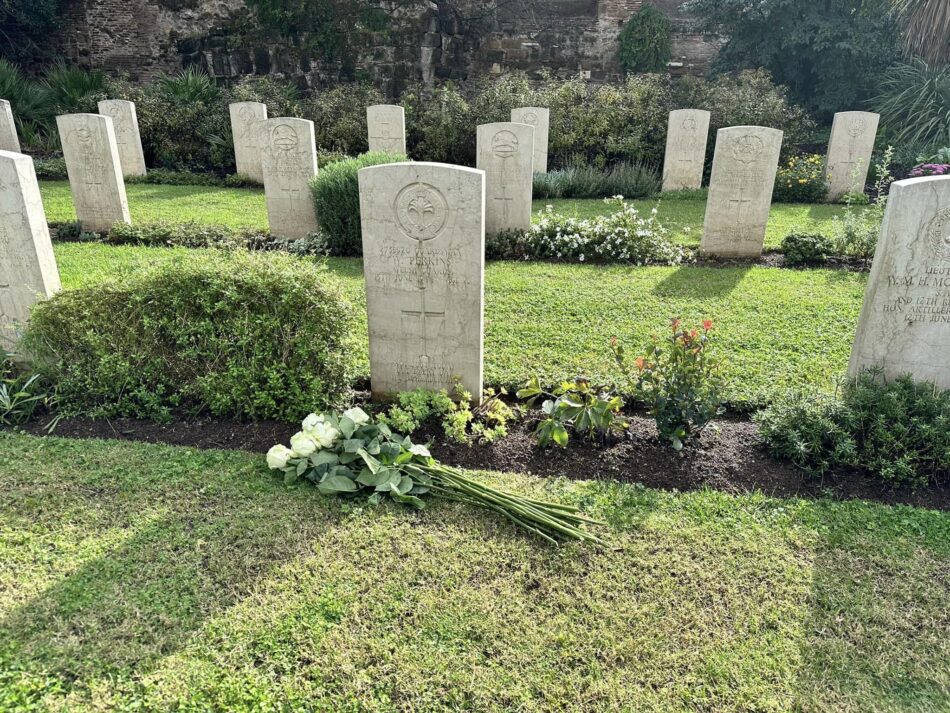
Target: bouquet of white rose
[347,453]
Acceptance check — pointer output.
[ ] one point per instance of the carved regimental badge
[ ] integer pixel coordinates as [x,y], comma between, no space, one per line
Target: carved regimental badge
[938,233]
[421,211]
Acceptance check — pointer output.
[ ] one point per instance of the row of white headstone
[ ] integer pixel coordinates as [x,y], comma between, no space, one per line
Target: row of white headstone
[745,163]
[423,228]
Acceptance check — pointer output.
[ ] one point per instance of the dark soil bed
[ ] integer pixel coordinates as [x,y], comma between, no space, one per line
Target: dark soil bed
[726,457]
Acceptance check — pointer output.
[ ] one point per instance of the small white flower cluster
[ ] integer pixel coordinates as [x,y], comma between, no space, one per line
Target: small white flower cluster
[623,235]
[315,434]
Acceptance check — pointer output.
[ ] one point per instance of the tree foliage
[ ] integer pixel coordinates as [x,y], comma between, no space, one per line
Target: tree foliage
[926,29]
[646,41]
[828,52]
[23,24]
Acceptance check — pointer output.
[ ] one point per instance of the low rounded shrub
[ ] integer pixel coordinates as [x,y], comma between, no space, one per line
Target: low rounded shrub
[630,180]
[336,195]
[235,335]
[898,431]
[807,248]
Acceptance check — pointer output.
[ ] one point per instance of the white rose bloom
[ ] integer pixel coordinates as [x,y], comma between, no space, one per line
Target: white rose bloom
[303,444]
[324,434]
[357,415]
[311,421]
[278,456]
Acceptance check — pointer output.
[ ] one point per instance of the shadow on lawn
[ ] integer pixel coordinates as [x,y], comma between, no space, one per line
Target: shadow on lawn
[686,281]
[143,598]
[875,636]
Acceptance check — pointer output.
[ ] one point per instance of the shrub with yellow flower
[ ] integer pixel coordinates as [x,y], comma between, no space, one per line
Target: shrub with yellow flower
[799,180]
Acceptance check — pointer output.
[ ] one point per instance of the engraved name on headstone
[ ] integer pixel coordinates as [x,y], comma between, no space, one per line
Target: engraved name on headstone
[289,162]
[904,326]
[386,125]
[424,263]
[740,191]
[505,151]
[95,171]
[246,121]
[540,119]
[849,152]
[127,138]
[685,149]
[27,266]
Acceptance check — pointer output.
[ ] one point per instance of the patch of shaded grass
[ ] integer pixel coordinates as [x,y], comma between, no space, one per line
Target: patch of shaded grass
[136,576]
[244,208]
[775,328]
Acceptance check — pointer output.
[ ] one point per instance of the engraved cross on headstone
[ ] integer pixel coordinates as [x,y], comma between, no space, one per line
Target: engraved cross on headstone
[505,206]
[291,195]
[424,316]
[739,202]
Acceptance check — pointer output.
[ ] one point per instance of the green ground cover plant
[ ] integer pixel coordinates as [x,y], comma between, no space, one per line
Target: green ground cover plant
[230,334]
[896,430]
[561,317]
[245,208]
[149,577]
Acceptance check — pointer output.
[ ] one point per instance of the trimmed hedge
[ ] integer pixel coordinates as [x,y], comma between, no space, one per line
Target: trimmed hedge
[235,335]
[336,195]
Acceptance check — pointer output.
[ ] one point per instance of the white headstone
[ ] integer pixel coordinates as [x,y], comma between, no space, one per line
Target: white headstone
[386,126]
[95,172]
[424,262]
[246,120]
[289,162]
[127,138]
[540,119]
[8,137]
[505,152]
[740,191]
[849,152]
[685,158]
[904,326]
[27,266]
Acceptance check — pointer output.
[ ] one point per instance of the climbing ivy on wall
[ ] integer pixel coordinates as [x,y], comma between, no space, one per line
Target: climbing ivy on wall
[328,28]
[646,41]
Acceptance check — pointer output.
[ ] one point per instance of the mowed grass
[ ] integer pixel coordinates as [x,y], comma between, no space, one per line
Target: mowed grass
[776,329]
[244,208]
[138,577]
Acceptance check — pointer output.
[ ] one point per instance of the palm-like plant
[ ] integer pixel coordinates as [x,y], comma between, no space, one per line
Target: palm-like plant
[926,28]
[191,85]
[914,103]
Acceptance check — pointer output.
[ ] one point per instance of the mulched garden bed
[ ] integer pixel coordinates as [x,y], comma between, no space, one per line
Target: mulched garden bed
[726,457]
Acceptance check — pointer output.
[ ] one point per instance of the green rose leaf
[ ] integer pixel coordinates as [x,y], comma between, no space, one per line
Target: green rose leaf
[335,484]
[420,450]
[347,426]
[403,486]
[352,445]
[324,458]
[371,463]
[407,500]
[369,478]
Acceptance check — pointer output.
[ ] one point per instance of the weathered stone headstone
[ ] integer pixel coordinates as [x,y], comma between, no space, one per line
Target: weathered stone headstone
[424,262]
[740,191]
[127,138]
[246,121]
[540,119]
[27,266]
[686,135]
[95,172]
[849,152]
[505,152]
[386,126]
[289,162]
[8,136]
[904,326]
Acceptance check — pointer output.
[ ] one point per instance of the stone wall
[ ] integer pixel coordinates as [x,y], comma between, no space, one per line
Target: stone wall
[426,41]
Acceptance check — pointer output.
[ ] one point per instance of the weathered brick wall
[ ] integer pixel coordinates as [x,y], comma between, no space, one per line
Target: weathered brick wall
[427,41]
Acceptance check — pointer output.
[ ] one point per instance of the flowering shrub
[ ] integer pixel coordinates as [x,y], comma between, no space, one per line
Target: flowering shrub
[800,180]
[622,235]
[346,453]
[930,169]
[679,379]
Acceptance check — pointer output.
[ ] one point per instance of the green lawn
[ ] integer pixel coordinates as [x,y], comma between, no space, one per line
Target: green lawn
[240,207]
[137,577]
[777,328]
